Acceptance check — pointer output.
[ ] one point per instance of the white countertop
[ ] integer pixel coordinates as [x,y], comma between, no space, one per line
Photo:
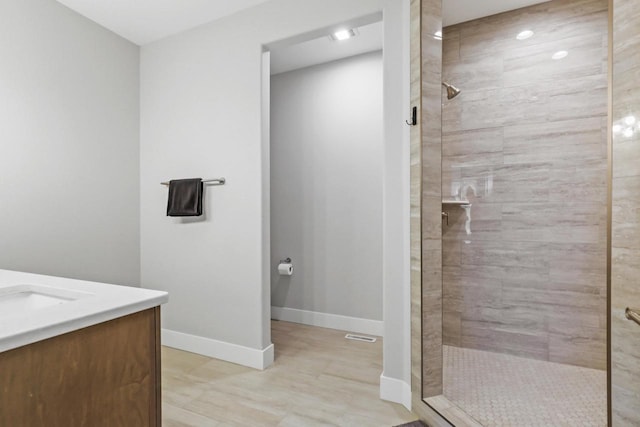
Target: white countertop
[95,303]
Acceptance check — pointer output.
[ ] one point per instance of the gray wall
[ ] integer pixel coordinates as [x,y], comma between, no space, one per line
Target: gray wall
[326,187]
[69,159]
[201,98]
[625,236]
[529,133]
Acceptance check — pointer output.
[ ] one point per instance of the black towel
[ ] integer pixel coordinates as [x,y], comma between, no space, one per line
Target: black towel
[185,197]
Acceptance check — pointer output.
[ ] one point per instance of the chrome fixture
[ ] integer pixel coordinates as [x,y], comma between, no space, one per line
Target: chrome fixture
[633,315]
[445,215]
[216,181]
[452,91]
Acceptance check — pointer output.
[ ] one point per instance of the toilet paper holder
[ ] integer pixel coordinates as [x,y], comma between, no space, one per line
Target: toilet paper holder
[285,261]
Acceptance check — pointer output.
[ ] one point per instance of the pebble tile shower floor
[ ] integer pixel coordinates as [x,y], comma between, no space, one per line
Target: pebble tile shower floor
[500,390]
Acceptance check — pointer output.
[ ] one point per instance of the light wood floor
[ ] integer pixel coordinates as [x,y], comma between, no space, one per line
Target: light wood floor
[318,379]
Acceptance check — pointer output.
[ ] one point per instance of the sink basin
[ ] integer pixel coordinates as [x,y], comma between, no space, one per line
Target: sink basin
[22,299]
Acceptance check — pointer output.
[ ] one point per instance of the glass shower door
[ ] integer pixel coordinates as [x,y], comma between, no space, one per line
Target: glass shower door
[625,256]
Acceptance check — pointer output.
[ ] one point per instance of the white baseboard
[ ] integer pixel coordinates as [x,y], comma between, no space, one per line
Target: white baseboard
[396,391]
[331,321]
[246,356]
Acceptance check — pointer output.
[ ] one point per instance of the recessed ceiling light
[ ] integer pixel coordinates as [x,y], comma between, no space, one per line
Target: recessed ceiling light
[630,120]
[438,35]
[560,54]
[628,132]
[344,34]
[524,35]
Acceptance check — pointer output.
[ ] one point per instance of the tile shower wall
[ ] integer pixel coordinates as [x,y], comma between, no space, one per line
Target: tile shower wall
[625,273]
[526,143]
[426,268]
[416,186]
[431,149]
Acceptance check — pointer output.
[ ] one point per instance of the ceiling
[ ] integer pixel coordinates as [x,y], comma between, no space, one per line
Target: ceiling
[145,21]
[457,11]
[370,37]
[323,49]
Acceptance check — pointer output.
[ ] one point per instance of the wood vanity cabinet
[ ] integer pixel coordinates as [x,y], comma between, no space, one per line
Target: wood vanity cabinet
[102,375]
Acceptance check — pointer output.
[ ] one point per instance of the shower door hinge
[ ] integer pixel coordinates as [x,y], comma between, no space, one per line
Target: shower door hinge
[414,117]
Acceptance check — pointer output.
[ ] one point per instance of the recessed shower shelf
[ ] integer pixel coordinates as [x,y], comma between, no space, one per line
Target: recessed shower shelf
[461,203]
[447,204]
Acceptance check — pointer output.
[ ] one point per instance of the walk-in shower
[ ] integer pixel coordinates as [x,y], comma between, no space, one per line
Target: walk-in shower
[514,276]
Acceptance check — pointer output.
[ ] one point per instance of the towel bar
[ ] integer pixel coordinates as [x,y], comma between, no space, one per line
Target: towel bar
[215,181]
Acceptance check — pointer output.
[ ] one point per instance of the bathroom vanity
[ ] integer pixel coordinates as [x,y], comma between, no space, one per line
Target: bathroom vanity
[77,353]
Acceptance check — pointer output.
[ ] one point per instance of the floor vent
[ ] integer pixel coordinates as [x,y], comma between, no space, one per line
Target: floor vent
[359,338]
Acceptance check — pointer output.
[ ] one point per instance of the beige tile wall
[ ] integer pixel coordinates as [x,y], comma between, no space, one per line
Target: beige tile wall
[426,278]
[527,137]
[416,186]
[625,277]
[426,68]
[431,199]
